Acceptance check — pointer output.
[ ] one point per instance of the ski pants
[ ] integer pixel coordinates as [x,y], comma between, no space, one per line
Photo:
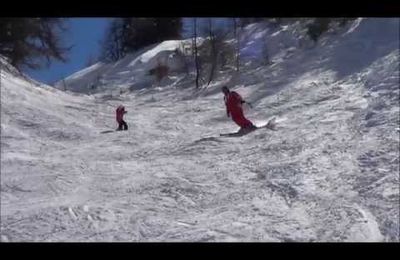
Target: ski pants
[238,117]
[122,125]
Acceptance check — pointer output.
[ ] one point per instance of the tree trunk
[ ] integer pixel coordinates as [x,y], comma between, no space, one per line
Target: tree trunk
[213,53]
[64,85]
[196,60]
[236,34]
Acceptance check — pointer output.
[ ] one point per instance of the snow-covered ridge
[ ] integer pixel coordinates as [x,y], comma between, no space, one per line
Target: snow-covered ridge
[346,49]
[131,71]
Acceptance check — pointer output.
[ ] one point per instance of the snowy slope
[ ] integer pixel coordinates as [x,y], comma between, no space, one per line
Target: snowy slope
[330,172]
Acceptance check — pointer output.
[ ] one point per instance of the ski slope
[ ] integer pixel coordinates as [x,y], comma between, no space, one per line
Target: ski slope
[329,173]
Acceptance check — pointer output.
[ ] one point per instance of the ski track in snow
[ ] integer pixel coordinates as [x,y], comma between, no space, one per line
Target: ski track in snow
[329,172]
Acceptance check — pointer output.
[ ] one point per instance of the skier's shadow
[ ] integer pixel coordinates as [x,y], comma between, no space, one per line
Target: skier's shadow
[207,139]
[107,131]
[236,134]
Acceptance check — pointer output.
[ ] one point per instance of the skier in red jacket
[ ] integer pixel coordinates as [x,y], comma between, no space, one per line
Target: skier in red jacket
[120,114]
[233,102]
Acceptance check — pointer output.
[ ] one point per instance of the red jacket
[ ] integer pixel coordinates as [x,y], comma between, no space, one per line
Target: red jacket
[120,113]
[233,102]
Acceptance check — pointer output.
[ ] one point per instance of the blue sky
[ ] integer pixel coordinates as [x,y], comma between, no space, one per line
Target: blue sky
[84,34]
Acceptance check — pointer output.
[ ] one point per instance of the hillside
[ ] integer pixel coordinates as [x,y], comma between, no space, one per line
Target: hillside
[329,172]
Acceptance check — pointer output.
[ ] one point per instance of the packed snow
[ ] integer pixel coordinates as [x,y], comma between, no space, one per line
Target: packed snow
[329,173]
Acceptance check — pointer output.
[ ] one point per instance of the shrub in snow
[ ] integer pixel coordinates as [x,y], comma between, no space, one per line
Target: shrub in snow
[318,27]
[160,72]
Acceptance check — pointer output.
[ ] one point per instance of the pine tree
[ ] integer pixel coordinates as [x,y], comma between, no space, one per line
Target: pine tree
[127,35]
[32,42]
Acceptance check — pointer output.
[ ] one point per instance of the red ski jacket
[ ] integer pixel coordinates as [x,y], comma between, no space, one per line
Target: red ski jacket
[233,102]
[120,113]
